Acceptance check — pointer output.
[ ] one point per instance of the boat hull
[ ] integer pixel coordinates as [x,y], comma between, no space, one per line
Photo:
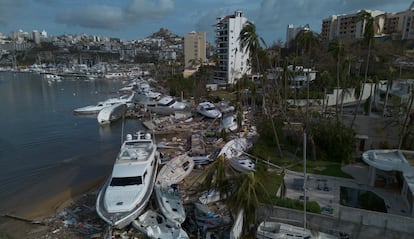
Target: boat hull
[111,113]
[122,213]
[170,203]
[157,226]
[121,220]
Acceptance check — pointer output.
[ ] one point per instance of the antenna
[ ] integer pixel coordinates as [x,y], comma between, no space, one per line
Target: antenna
[122,128]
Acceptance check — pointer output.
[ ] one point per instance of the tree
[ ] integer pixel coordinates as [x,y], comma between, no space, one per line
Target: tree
[391,72]
[369,34]
[240,190]
[251,42]
[248,189]
[307,40]
[338,50]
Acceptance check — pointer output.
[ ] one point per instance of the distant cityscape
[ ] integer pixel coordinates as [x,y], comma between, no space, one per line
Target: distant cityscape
[22,48]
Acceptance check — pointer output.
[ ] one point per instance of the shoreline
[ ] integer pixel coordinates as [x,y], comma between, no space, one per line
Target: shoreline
[53,204]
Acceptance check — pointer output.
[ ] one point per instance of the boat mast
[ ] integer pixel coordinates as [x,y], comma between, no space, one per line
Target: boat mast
[304,180]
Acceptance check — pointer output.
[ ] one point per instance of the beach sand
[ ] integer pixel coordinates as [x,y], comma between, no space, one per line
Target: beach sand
[49,194]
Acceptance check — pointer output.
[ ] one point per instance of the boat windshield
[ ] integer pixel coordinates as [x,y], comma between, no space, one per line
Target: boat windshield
[127,181]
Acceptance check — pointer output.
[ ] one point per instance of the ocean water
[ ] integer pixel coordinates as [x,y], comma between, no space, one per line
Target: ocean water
[40,135]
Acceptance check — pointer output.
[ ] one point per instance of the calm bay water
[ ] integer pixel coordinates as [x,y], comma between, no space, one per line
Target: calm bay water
[40,135]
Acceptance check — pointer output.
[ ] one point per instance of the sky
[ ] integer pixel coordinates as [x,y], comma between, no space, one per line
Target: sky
[137,19]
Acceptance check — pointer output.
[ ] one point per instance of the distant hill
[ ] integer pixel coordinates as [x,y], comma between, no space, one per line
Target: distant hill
[164,33]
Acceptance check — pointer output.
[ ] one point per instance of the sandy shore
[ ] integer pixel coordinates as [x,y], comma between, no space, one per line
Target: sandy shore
[51,192]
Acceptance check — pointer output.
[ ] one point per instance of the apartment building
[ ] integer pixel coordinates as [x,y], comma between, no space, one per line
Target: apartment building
[233,60]
[349,27]
[398,26]
[194,48]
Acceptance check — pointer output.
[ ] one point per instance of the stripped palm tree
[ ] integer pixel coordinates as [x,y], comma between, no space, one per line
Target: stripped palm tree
[307,40]
[369,34]
[248,189]
[338,50]
[252,43]
[391,72]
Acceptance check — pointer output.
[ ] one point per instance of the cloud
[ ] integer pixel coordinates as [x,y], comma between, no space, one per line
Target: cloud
[114,17]
[7,10]
[93,16]
[141,9]
[207,19]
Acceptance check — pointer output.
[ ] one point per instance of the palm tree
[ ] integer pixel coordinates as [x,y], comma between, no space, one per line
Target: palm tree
[248,189]
[391,72]
[338,50]
[307,40]
[287,74]
[240,190]
[252,43]
[369,34]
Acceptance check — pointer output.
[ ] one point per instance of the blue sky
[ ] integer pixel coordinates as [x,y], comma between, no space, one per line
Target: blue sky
[137,19]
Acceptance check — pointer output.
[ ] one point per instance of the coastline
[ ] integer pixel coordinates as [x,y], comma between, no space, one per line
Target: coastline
[57,188]
[37,209]
[37,217]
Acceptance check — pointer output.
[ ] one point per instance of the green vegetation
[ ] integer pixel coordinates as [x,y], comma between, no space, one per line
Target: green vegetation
[281,125]
[5,236]
[311,206]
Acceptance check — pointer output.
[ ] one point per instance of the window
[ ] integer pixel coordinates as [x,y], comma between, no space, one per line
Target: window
[127,181]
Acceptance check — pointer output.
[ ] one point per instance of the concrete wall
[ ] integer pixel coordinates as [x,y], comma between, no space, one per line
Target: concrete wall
[330,99]
[356,223]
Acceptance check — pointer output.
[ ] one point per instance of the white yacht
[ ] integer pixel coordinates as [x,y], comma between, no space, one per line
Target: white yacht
[111,113]
[129,100]
[165,105]
[127,191]
[209,110]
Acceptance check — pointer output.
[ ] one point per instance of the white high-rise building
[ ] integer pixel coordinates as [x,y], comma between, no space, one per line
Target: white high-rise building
[233,61]
[292,32]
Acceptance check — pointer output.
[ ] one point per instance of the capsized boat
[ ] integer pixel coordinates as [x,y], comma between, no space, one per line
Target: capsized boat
[234,148]
[129,100]
[166,190]
[170,202]
[242,164]
[127,191]
[208,109]
[175,170]
[156,226]
[111,113]
[234,152]
[277,230]
[212,216]
[229,123]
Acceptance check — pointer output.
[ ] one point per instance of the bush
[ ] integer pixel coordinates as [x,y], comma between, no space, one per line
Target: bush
[334,142]
[311,206]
